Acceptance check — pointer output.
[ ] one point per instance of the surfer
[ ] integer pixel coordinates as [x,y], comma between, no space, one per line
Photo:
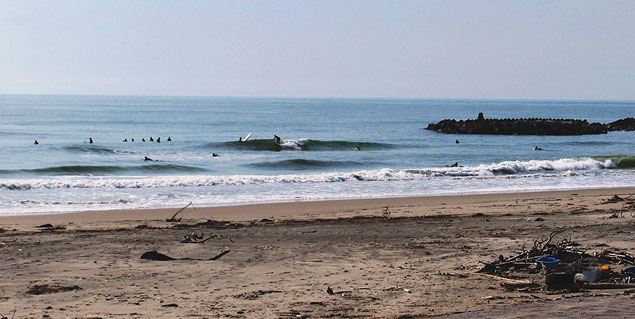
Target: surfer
[169,139]
[36,142]
[147,159]
[90,140]
[215,155]
[456,141]
[159,140]
[125,140]
[356,148]
[276,139]
[151,139]
[132,140]
[456,164]
[143,139]
[537,148]
[244,139]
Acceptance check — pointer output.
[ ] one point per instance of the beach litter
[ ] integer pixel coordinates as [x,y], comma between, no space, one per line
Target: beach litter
[562,265]
[547,262]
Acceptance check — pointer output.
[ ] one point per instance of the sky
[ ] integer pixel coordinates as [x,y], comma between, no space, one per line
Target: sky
[387,49]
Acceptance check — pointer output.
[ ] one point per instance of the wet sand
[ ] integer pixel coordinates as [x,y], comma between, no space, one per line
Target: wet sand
[383,258]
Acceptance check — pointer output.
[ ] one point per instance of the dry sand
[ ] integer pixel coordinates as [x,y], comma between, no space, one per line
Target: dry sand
[415,259]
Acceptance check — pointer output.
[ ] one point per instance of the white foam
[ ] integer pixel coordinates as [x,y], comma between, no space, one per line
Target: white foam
[293,144]
[561,165]
[510,169]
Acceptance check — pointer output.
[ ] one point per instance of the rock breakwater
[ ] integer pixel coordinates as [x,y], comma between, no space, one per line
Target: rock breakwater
[529,126]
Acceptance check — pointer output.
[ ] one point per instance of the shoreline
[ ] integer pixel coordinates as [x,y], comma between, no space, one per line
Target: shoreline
[305,210]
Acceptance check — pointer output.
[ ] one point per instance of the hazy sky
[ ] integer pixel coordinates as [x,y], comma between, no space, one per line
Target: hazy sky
[426,49]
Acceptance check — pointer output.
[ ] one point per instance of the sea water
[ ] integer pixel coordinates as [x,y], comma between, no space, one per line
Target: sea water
[330,149]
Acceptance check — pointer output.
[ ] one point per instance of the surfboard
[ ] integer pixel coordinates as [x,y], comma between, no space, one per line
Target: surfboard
[246,137]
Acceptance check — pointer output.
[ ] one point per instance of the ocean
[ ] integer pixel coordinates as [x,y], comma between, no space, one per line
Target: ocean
[330,149]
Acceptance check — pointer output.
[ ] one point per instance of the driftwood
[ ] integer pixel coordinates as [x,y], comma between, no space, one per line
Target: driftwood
[609,286]
[154,255]
[220,255]
[519,285]
[173,219]
[507,280]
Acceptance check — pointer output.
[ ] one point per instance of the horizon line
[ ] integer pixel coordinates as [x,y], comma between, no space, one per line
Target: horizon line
[319,97]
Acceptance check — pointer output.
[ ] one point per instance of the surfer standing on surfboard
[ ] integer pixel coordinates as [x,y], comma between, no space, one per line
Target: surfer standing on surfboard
[276,138]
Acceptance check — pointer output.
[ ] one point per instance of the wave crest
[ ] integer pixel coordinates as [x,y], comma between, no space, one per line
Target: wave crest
[95,149]
[302,145]
[102,169]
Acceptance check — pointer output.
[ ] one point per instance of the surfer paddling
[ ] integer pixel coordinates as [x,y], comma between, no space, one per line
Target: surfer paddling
[147,159]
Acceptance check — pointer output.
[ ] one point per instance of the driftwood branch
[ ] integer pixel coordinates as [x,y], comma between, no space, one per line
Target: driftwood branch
[552,235]
[173,218]
[220,255]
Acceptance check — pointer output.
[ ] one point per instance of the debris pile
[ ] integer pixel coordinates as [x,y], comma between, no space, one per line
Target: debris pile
[563,265]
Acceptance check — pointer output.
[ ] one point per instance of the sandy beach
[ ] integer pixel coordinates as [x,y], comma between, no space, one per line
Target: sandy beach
[382,258]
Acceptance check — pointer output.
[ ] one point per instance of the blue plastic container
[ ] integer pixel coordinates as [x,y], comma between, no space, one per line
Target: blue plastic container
[548,262]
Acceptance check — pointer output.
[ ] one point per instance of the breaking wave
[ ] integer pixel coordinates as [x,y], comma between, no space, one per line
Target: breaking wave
[302,145]
[620,161]
[507,169]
